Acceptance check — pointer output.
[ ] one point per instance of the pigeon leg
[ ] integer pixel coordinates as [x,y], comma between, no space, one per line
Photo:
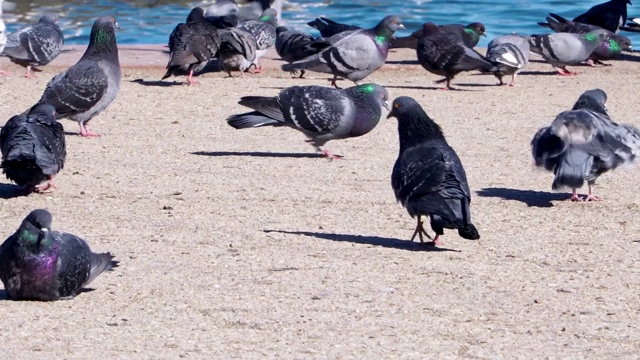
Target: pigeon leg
[513,80]
[333,82]
[574,196]
[331,156]
[29,75]
[437,241]
[419,231]
[565,72]
[301,74]
[48,185]
[591,196]
[190,80]
[85,132]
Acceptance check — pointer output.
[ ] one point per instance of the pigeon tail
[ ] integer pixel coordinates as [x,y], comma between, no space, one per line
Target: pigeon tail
[251,120]
[99,264]
[572,169]
[469,233]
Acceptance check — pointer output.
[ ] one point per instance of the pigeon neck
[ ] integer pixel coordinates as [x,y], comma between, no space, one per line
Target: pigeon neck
[416,128]
[102,43]
[368,114]
[382,33]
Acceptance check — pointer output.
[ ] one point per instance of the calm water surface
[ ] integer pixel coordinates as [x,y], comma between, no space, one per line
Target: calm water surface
[150,21]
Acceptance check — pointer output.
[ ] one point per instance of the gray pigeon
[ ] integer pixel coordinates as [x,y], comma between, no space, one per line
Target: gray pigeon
[511,53]
[294,45]
[354,56]
[428,177]
[445,54]
[88,87]
[583,143]
[35,45]
[223,14]
[321,113]
[192,45]
[469,34]
[562,49]
[609,15]
[264,31]
[37,263]
[33,149]
[237,50]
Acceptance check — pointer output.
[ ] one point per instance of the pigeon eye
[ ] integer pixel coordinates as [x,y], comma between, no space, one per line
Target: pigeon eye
[396,105]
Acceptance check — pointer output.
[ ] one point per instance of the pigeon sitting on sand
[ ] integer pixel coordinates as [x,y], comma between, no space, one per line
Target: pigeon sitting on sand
[428,177]
[321,113]
[511,54]
[264,31]
[583,143]
[33,149]
[562,49]
[444,54]
[35,45]
[37,263]
[294,45]
[237,50]
[192,45]
[354,56]
[87,88]
[610,15]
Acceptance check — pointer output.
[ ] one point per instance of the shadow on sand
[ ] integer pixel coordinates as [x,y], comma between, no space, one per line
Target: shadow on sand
[258,154]
[532,198]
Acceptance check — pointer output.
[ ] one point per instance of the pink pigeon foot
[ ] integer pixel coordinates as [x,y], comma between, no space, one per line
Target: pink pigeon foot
[331,156]
[574,196]
[190,80]
[48,185]
[4,73]
[85,132]
[29,74]
[565,72]
[437,241]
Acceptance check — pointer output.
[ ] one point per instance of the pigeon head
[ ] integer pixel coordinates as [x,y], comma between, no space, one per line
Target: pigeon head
[430,28]
[620,43]
[35,229]
[49,19]
[594,100]
[43,109]
[477,28]
[371,91]
[196,14]
[103,37]
[270,15]
[414,125]
[597,36]
[386,27]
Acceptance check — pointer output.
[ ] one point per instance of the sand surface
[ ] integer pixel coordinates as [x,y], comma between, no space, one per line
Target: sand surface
[245,244]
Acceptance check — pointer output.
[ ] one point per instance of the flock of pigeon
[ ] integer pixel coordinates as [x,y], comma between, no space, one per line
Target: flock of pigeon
[428,177]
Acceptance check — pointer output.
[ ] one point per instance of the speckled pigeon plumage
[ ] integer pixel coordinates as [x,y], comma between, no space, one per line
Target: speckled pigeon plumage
[354,56]
[562,49]
[444,54]
[264,31]
[37,263]
[292,45]
[35,45]
[192,45]
[237,50]
[33,148]
[583,143]
[321,113]
[610,15]
[329,28]
[428,178]
[87,88]
[510,53]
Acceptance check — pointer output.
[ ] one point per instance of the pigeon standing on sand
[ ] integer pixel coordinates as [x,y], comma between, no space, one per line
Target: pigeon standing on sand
[444,54]
[328,27]
[583,143]
[562,49]
[321,113]
[264,31]
[511,54]
[37,263]
[469,34]
[90,86]
[610,15]
[237,50]
[192,45]
[294,45]
[33,149]
[35,45]
[354,56]
[428,177]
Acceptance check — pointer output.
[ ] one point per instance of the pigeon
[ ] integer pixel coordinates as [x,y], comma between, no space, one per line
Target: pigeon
[87,88]
[444,54]
[510,53]
[428,178]
[192,45]
[294,45]
[562,49]
[237,50]
[633,25]
[264,31]
[469,34]
[33,149]
[223,14]
[3,35]
[610,15]
[329,28]
[37,263]
[583,143]
[354,56]
[35,45]
[321,113]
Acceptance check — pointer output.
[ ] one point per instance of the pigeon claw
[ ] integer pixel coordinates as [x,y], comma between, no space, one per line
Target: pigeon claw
[85,132]
[420,231]
[46,186]
[331,156]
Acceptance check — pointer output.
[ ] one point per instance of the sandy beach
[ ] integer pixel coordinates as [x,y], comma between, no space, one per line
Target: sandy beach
[245,244]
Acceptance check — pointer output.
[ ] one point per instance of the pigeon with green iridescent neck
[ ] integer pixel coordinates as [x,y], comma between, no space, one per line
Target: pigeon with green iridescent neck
[428,178]
[87,88]
[321,113]
[37,263]
[264,31]
[355,55]
[562,49]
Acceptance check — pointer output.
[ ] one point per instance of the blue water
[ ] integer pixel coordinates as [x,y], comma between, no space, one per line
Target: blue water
[151,21]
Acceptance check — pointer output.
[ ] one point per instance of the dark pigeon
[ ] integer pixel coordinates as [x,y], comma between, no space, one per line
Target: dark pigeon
[35,45]
[90,86]
[264,31]
[223,14]
[583,143]
[33,149]
[511,54]
[321,113]
[353,56]
[329,28]
[37,263]
[294,45]
[469,34]
[192,45]
[428,178]
[610,15]
[562,49]
[632,26]
[444,54]
[237,50]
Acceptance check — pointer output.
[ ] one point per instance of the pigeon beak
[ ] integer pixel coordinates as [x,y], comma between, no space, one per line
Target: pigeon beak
[386,105]
[116,25]
[401,26]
